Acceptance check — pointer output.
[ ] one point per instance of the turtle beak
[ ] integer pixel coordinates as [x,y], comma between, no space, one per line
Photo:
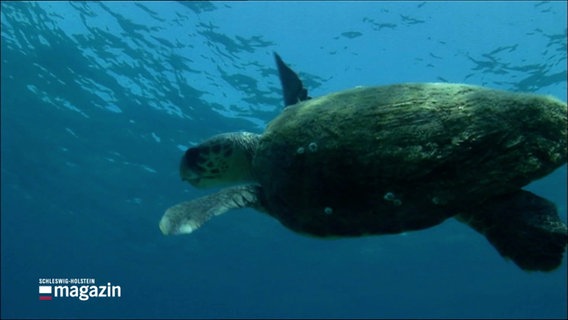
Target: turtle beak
[186,174]
[187,166]
[191,178]
[192,171]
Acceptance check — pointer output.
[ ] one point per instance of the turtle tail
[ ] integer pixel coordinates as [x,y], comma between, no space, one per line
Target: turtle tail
[522,227]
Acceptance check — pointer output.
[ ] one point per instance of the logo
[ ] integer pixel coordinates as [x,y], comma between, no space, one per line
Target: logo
[82,289]
[45,293]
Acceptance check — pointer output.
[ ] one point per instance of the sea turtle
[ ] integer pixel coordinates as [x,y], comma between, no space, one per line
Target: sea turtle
[390,159]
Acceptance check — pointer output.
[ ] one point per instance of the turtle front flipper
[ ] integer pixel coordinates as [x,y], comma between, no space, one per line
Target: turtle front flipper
[523,227]
[188,216]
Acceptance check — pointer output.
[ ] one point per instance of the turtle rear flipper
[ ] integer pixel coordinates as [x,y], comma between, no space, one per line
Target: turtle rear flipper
[188,216]
[292,87]
[523,227]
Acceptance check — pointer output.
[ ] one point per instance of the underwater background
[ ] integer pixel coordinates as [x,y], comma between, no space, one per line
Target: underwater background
[101,99]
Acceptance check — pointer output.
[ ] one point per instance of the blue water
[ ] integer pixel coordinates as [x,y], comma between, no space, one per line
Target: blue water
[99,100]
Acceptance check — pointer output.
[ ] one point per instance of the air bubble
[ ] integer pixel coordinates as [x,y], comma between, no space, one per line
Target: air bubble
[389,196]
[439,201]
[313,147]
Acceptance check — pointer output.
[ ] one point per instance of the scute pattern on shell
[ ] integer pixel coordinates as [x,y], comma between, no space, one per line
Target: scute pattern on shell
[413,140]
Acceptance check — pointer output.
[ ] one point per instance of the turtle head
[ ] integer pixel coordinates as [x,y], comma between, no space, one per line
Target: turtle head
[220,160]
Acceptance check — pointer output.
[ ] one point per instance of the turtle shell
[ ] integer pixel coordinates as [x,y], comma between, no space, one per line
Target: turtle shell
[388,159]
